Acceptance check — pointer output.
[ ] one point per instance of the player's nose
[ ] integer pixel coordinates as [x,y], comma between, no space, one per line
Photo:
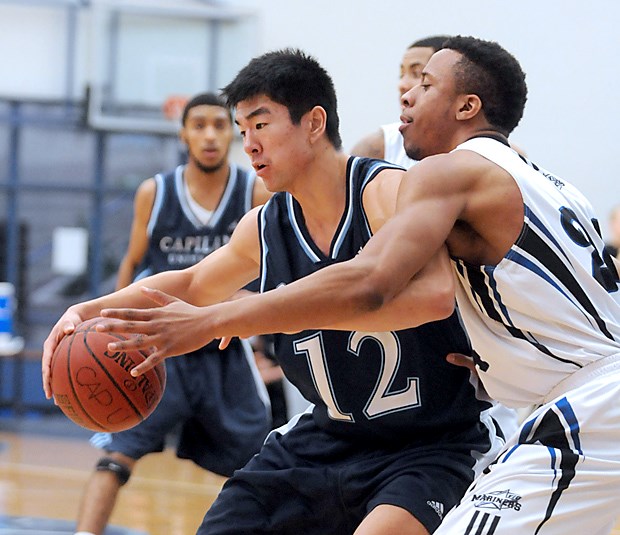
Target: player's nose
[406,101]
[250,144]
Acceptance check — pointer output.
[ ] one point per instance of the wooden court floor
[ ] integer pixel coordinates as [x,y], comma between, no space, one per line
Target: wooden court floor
[42,476]
[43,472]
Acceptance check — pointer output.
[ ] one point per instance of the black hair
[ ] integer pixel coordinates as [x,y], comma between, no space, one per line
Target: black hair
[489,71]
[205,99]
[291,78]
[434,41]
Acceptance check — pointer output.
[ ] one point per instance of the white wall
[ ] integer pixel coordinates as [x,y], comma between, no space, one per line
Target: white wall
[569,50]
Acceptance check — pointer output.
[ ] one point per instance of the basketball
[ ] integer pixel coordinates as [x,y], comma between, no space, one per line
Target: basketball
[94,387]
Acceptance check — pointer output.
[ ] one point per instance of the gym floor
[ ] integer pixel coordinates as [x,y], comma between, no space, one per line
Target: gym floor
[46,460]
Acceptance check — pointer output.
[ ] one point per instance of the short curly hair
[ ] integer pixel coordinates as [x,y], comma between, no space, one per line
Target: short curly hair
[489,71]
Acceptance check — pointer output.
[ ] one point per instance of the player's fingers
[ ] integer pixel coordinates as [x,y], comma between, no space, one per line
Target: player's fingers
[127,314]
[139,341]
[68,328]
[46,378]
[461,360]
[224,342]
[153,360]
[49,347]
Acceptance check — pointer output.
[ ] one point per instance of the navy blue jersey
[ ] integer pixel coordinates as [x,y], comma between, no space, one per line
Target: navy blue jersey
[392,386]
[177,239]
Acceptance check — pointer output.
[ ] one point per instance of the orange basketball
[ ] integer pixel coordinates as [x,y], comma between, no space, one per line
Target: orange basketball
[94,387]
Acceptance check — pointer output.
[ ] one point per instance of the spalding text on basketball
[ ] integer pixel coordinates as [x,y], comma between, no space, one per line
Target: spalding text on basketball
[140,383]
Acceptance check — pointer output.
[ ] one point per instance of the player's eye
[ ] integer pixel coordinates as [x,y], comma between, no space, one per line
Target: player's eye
[260,126]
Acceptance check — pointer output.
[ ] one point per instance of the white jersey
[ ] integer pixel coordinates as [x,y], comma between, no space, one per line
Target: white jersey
[393,149]
[551,306]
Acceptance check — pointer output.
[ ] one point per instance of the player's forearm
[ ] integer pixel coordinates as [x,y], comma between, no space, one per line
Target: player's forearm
[419,303]
[175,283]
[333,295]
[428,297]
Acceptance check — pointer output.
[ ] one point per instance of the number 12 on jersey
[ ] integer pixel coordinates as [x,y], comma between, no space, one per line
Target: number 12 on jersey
[383,399]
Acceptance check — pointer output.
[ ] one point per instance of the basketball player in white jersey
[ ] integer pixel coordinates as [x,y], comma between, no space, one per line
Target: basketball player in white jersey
[536,289]
[386,143]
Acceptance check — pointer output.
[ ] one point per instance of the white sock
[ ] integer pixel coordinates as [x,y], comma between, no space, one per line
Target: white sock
[83,533]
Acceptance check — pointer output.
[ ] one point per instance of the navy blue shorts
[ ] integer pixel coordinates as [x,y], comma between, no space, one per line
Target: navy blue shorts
[216,404]
[307,481]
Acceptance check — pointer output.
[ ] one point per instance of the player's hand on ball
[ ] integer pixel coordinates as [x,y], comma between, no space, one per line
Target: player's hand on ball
[173,328]
[64,326]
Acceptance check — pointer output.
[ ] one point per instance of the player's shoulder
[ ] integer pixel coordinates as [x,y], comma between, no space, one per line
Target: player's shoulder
[454,169]
[146,190]
[373,172]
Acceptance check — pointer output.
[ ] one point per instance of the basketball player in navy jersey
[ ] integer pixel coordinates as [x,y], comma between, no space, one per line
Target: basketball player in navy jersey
[537,291]
[395,434]
[179,218]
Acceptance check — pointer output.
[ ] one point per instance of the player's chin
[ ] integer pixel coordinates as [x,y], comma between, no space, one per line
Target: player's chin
[413,151]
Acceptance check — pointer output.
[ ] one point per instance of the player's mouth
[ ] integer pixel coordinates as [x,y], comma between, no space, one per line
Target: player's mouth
[210,152]
[405,121]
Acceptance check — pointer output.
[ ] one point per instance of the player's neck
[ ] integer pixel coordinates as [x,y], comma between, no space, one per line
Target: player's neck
[206,187]
[321,184]
[321,192]
[490,133]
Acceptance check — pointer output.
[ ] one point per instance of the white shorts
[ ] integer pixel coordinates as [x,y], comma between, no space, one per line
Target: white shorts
[559,475]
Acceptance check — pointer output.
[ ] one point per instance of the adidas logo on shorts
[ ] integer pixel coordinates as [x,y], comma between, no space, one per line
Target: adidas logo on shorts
[437,507]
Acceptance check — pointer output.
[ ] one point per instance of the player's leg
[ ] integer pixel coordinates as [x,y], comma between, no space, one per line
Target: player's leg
[560,474]
[230,406]
[101,491]
[123,450]
[408,489]
[288,488]
[390,520]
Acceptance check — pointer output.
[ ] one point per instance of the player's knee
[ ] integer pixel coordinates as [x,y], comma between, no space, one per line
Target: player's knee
[118,468]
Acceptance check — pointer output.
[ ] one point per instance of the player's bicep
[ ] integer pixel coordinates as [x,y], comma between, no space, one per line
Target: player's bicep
[427,207]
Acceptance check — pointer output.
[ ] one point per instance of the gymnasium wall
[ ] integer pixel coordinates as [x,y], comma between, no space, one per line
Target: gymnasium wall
[568,49]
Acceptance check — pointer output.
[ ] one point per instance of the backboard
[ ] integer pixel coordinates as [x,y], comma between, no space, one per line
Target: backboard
[145,52]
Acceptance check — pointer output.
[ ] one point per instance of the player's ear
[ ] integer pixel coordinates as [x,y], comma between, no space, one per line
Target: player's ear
[183,135]
[468,106]
[317,122]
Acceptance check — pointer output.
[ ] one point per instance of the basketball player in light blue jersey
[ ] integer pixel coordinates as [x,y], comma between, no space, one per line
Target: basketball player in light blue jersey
[537,291]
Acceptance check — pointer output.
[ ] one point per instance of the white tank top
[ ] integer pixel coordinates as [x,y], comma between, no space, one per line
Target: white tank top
[552,305]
